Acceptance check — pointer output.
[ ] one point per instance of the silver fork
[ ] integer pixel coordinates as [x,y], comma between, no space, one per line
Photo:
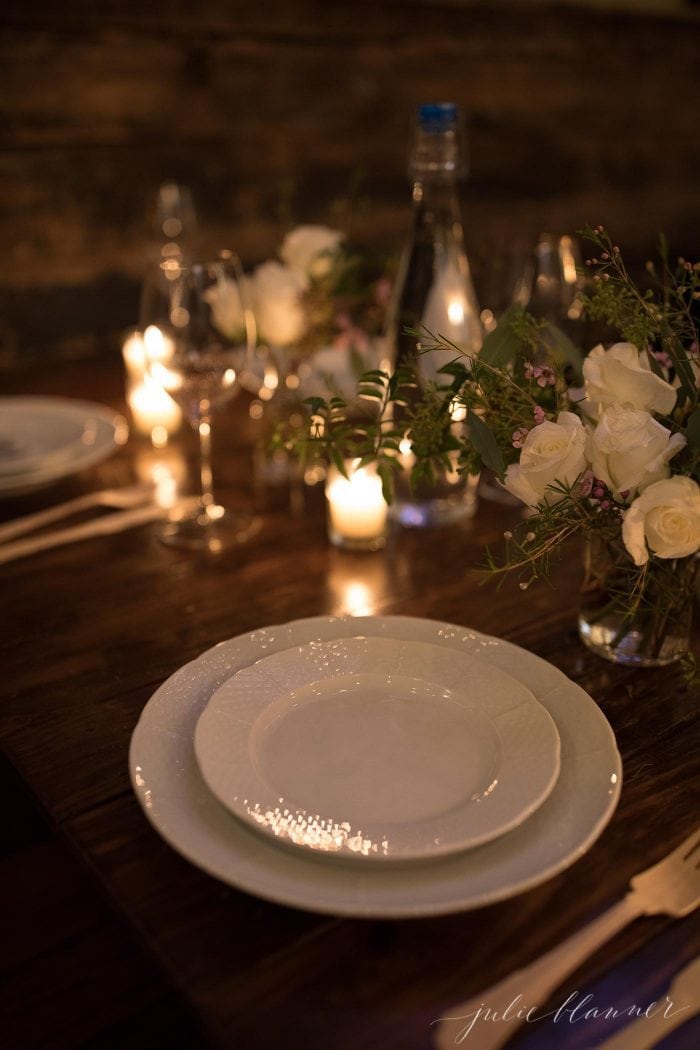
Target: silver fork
[671,887]
[646,1032]
[130,496]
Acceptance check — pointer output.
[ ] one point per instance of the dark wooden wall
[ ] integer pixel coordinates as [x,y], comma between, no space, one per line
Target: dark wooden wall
[577,112]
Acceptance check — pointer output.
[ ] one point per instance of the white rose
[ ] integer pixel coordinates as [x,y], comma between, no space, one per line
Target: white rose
[308,251]
[665,519]
[276,294]
[629,450]
[551,452]
[227,309]
[621,375]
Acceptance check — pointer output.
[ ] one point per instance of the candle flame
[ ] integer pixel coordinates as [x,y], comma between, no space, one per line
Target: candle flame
[455,311]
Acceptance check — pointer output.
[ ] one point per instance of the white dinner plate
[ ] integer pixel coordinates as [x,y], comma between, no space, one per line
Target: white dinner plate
[44,439]
[377,749]
[181,808]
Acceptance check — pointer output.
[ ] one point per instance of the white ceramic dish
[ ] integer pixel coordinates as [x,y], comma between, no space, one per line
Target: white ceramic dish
[377,749]
[44,439]
[181,808]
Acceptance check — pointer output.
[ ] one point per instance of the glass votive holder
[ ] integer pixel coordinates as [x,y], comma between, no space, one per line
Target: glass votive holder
[153,412]
[357,512]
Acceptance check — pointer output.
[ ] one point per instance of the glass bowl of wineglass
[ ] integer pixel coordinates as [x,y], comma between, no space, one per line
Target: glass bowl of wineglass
[199,333]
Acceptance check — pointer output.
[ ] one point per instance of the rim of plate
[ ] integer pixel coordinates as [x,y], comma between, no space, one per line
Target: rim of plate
[184,813]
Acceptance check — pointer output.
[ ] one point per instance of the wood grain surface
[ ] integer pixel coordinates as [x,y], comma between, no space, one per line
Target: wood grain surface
[90,631]
[576,113]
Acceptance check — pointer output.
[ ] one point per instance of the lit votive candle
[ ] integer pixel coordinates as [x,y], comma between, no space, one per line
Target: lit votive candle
[153,411]
[357,511]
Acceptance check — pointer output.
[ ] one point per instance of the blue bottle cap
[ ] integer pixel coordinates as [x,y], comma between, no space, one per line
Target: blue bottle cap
[437,116]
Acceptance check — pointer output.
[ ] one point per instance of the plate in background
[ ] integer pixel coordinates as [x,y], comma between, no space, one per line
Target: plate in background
[44,439]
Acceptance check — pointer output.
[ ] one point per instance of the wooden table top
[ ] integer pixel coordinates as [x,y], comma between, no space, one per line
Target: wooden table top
[91,630]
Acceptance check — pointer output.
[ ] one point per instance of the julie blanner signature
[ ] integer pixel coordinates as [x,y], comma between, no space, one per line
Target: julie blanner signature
[573,1010]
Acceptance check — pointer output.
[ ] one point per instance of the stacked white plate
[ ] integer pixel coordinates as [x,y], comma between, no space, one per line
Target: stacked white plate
[44,439]
[379,766]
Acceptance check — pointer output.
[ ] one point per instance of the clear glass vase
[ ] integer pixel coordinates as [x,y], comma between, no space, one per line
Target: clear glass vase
[278,409]
[650,628]
[293,374]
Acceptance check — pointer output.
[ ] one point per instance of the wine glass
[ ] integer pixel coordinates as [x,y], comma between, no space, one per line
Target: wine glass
[550,286]
[199,333]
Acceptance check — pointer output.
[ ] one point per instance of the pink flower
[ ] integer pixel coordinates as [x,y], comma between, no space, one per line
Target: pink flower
[587,483]
[663,358]
[542,373]
[352,338]
[539,414]
[382,291]
[519,436]
[544,376]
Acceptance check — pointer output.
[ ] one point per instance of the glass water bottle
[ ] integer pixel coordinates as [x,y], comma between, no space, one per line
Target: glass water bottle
[434,291]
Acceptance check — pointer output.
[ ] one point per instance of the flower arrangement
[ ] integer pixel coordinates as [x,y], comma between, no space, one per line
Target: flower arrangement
[320,293]
[615,460]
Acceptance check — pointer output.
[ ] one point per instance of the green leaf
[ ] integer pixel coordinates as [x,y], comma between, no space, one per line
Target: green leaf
[338,460]
[456,369]
[692,429]
[563,350]
[501,346]
[654,365]
[402,377]
[386,473]
[316,404]
[683,369]
[485,444]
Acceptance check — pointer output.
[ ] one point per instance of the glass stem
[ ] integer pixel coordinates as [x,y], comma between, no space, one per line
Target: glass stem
[205,472]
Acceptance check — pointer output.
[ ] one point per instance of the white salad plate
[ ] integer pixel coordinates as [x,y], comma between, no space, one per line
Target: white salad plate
[174,797]
[44,439]
[377,749]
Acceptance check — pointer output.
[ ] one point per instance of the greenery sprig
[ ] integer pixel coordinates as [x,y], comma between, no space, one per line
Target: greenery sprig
[438,422]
